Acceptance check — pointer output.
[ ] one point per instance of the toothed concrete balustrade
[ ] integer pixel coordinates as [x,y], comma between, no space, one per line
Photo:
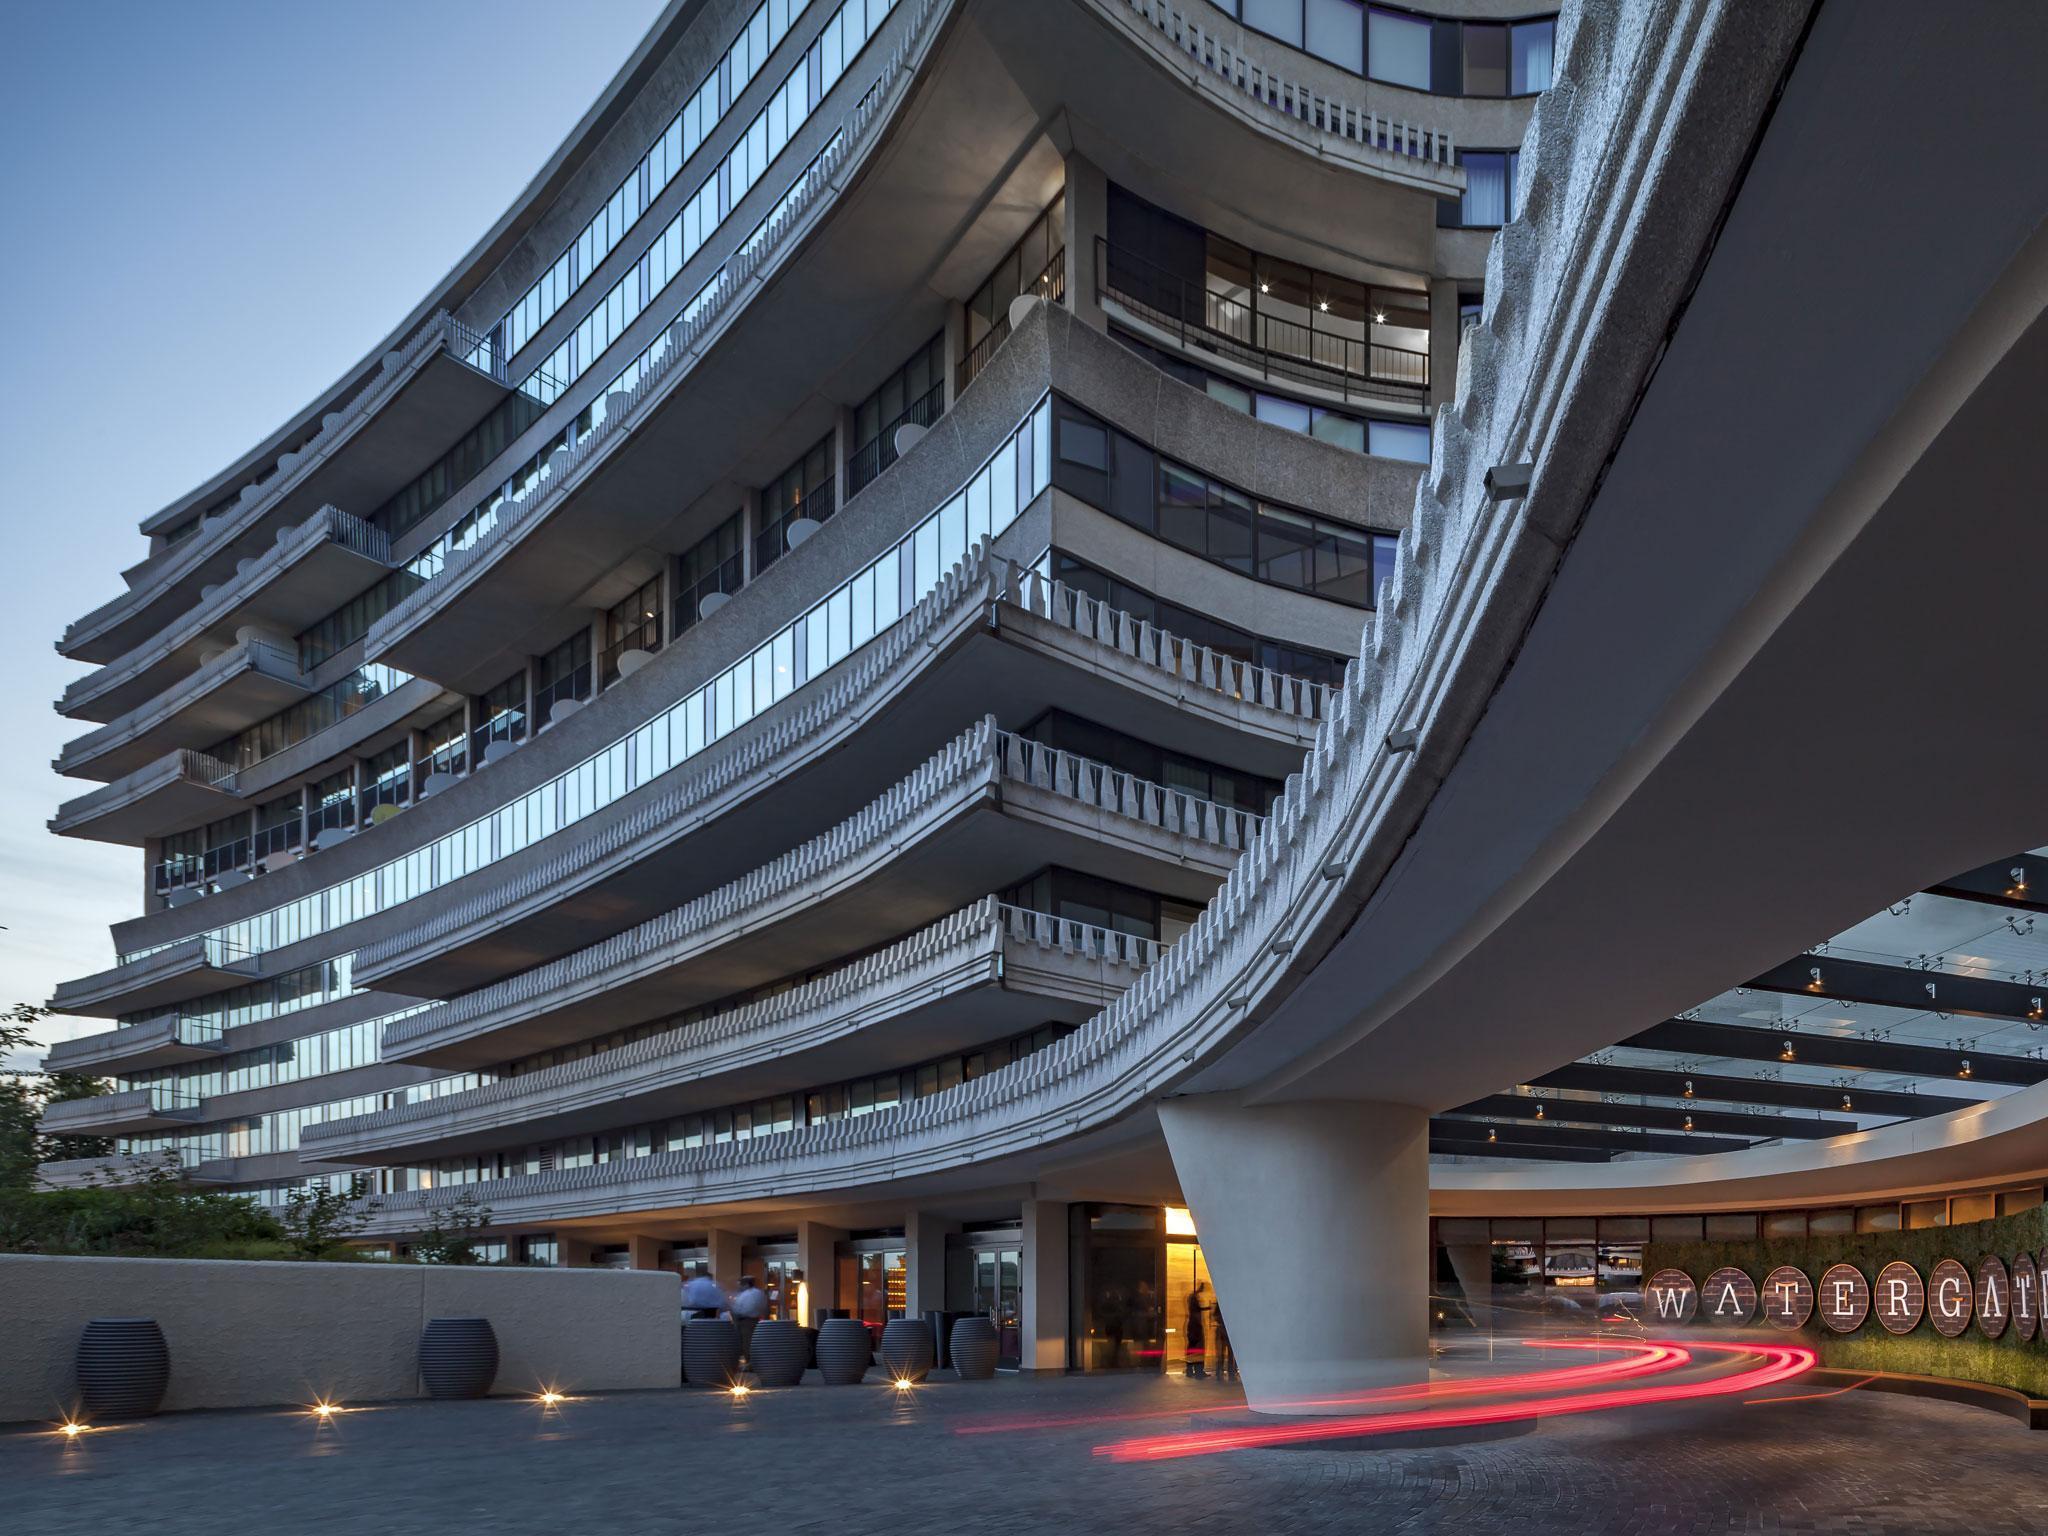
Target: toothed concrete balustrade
[944,977]
[836,891]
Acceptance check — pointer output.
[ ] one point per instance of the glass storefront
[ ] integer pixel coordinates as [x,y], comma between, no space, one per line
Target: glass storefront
[872,1282]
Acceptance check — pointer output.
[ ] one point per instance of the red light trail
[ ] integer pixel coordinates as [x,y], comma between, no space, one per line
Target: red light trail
[1639,1360]
[1780,1362]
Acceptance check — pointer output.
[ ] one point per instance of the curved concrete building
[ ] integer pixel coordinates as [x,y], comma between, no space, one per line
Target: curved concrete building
[1014,657]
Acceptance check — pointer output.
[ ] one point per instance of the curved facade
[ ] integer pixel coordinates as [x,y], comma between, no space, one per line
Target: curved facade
[840,698]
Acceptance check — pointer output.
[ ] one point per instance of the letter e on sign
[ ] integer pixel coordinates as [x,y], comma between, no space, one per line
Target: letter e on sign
[1844,1298]
[2026,1297]
[1951,1298]
[1787,1297]
[1673,1296]
[1898,1298]
[1994,1296]
[1729,1296]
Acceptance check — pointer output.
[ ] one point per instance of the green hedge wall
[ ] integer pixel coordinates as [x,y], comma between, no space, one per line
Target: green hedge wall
[1923,1352]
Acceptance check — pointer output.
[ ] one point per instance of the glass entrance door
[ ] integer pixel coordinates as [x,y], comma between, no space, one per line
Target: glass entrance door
[999,1292]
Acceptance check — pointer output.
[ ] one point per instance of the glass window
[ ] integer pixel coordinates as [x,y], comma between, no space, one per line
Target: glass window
[914,395]
[1398,440]
[1397,49]
[1336,31]
[1486,59]
[1489,187]
[806,490]
[1530,54]
[1275,18]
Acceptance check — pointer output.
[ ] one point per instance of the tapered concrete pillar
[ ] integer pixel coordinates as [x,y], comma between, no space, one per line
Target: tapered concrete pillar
[1045,1286]
[1314,1220]
[924,1262]
[1472,1263]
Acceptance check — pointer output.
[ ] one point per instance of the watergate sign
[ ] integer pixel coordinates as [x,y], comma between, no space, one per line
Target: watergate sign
[2001,1297]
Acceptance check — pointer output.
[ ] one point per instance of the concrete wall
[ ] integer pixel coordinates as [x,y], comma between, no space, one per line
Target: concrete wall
[255,1334]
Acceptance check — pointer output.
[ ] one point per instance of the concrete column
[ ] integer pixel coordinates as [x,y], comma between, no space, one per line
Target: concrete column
[1443,341]
[1045,1285]
[725,1249]
[924,1262]
[750,525]
[1333,1189]
[573,1253]
[955,347]
[817,1256]
[1087,218]
[842,451]
[644,1252]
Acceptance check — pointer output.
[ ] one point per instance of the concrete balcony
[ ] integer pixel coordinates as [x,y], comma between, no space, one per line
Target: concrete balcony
[311,571]
[134,1112]
[179,790]
[539,557]
[985,972]
[177,973]
[247,683]
[989,810]
[425,397]
[160,1042]
[990,632]
[119,1170]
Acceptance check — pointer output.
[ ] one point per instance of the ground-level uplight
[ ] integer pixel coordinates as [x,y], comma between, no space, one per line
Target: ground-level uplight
[739,1390]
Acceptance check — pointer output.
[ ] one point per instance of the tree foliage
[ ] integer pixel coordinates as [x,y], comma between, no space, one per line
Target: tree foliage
[453,1236]
[25,1095]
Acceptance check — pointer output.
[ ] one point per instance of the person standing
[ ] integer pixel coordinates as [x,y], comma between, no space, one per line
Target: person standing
[1195,1334]
[1226,1362]
[749,1306]
[701,1295]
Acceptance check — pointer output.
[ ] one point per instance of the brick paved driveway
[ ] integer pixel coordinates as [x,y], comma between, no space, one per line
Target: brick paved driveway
[856,1460]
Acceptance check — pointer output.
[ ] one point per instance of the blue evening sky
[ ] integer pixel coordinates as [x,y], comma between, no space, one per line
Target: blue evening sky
[212,208]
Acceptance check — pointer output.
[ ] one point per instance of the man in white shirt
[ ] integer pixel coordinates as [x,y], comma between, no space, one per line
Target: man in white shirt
[701,1295]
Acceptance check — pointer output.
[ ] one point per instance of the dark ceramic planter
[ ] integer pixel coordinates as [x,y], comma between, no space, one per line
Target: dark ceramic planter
[974,1348]
[907,1348]
[781,1352]
[844,1350]
[123,1367]
[458,1356]
[711,1352]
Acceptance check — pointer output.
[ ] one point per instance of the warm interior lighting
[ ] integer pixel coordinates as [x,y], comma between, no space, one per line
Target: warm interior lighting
[1539,1111]
[1845,1101]
[1688,1122]
[1785,1052]
[1180,1221]
[1966,1068]
[1493,1136]
[1688,1089]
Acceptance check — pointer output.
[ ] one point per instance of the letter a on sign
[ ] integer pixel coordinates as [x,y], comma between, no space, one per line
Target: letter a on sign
[1673,1296]
[1994,1297]
[1730,1296]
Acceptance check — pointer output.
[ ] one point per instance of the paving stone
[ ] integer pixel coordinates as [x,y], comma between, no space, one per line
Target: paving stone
[858,1459]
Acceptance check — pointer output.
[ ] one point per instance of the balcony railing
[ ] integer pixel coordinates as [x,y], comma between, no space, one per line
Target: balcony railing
[1050,285]
[1271,346]
[873,457]
[644,636]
